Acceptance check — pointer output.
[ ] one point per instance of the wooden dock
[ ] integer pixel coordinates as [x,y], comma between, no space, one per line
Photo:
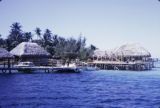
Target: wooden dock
[46,69]
[114,65]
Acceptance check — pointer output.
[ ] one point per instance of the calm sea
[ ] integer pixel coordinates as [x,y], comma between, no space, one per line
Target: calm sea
[91,89]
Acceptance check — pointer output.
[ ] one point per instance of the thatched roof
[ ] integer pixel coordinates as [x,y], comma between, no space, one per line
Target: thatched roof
[5,54]
[98,53]
[28,49]
[132,50]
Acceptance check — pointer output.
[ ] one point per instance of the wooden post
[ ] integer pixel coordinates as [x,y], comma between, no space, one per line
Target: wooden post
[4,65]
[9,66]
[4,70]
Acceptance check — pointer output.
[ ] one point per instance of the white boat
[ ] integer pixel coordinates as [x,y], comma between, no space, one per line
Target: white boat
[25,64]
[80,67]
[71,65]
[88,68]
[25,67]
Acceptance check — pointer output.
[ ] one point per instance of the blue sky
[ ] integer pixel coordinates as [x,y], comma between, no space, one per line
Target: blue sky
[105,23]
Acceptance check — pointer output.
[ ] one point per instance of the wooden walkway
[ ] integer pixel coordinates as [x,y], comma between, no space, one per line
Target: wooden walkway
[46,69]
[114,65]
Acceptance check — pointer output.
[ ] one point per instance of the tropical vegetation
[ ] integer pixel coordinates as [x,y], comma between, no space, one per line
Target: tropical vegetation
[57,46]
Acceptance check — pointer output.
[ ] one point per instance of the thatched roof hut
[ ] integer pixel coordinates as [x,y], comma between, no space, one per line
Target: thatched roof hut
[32,52]
[127,52]
[125,57]
[4,54]
[132,50]
[26,49]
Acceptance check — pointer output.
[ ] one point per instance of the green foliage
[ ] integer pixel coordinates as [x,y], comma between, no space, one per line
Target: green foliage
[16,36]
[27,36]
[65,48]
[38,32]
[2,41]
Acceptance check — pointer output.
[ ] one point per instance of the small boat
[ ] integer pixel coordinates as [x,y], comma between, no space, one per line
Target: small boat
[88,68]
[25,67]
[85,67]
[68,70]
[71,68]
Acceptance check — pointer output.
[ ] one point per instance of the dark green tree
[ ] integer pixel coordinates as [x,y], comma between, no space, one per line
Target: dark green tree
[38,33]
[47,35]
[39,40]
[48,42]
[16,35]
[27,36]
[2,42]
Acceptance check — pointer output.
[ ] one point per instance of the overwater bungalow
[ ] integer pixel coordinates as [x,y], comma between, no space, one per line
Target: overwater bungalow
[4,54]
[125,57]
[132,52]
[30,52]
[5,58]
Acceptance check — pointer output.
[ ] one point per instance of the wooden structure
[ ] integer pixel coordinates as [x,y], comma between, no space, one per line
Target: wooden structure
[114,65]
[5,60]
[125,57]
[32,52]
[46,69]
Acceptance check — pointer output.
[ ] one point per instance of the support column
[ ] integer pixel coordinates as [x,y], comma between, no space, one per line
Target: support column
[9,65]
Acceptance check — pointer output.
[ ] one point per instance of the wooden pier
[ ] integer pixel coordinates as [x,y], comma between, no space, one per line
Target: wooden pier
[114,65]
[45,69]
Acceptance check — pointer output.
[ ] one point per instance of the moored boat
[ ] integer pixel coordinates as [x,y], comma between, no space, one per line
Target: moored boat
[25,67]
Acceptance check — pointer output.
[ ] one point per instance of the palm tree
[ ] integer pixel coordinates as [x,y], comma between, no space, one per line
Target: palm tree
[47,35]
[38,32]
[16,35]
[27,36]
[48,41]
[1,41]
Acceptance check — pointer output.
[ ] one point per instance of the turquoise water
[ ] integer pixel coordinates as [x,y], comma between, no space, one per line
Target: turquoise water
[91,89]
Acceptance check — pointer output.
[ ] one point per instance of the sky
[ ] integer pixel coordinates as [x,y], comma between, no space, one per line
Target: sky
[105,23]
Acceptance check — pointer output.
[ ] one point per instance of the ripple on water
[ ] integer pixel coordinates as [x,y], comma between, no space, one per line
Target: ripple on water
[96,89]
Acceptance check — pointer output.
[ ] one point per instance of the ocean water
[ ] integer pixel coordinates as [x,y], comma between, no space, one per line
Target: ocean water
[90,89]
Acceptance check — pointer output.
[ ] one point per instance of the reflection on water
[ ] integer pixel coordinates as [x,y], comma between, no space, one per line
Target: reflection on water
[96,89]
